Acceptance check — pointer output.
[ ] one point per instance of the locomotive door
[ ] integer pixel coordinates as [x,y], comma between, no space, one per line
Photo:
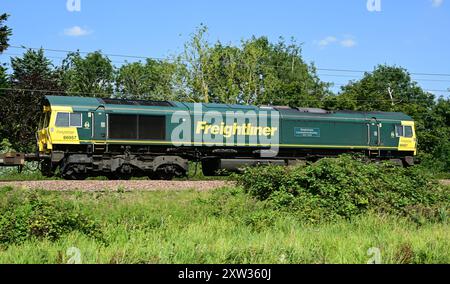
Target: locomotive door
[373,133]
[99,127]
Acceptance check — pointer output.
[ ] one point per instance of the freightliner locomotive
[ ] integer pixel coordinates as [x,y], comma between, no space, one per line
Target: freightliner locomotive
[79,137]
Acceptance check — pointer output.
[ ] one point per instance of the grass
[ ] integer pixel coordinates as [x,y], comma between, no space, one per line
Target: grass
[29,172]
[442,176]
[223,226]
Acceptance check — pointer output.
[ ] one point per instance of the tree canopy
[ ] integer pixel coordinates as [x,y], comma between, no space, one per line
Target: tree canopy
[256,72]
[152,80]
[5,33]
[33,76]
[92,75]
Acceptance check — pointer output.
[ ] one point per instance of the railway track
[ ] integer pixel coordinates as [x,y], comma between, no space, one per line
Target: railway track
[127,185]
[114,185]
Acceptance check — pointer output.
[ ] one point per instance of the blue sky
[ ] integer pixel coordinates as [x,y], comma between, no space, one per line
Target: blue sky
[342,34]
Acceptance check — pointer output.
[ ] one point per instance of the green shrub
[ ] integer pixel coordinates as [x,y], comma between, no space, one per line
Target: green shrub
[33,215]
[344,187]
[262,181]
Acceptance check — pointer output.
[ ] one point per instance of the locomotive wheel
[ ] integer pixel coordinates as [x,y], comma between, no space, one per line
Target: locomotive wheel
[125,172]
[72,174]
[168,172]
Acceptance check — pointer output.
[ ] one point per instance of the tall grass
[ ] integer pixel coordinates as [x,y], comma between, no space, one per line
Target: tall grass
[30,172]
[222,226]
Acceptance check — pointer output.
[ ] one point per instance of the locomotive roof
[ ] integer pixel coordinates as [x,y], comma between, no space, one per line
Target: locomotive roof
[92,103]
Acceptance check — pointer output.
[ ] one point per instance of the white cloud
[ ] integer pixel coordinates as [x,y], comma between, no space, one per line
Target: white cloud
[436,3]
[76,31]
[345,41]
[326,41]
[348,42]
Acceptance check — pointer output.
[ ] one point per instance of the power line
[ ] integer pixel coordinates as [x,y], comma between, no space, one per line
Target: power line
[54,91]
[56,57]
[426,90]
[319,74]
[108,94]
[87,52]
[167,59]
[356,77]
[366,71]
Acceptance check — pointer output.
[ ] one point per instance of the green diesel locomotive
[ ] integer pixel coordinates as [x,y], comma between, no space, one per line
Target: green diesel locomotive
[85,136]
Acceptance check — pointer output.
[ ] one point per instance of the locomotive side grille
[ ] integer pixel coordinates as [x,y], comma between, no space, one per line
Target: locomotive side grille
[140,127]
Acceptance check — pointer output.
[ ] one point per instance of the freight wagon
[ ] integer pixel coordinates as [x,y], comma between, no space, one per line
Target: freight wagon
[84,136]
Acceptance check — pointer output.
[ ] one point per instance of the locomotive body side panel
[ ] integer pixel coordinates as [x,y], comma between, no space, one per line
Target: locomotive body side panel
[93,136]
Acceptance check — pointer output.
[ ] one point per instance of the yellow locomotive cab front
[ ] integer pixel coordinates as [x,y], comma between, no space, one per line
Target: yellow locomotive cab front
[408,139]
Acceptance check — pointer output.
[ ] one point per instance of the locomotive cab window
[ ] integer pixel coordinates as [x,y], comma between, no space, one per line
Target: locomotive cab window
[75,119]
[399,130]
[408,131]
[403,131]
[66,119]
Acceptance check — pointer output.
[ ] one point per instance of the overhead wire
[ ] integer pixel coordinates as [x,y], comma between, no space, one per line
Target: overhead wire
[334,84]
[168,59]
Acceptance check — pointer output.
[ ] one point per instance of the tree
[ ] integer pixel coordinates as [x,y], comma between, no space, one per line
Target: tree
[4,85]
[257,72]
[435,135]
[387,88]
[91,76]
[33,77]
[5,33]
[278,75]
[223,73]
[150,81]
[390,88]
[192,73]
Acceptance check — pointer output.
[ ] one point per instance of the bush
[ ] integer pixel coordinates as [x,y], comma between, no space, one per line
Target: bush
[262,181]
[344,187]
[28,215]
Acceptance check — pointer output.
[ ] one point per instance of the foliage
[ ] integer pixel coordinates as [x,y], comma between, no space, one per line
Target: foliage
[91,76]
[225,226]
[5,33]
[278,75]
[257,72]
[23,107]
[387,88]
[150,81]
[4,85]
[28,215]
[5,146]
[345,187]
[434,135]
[192,68]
